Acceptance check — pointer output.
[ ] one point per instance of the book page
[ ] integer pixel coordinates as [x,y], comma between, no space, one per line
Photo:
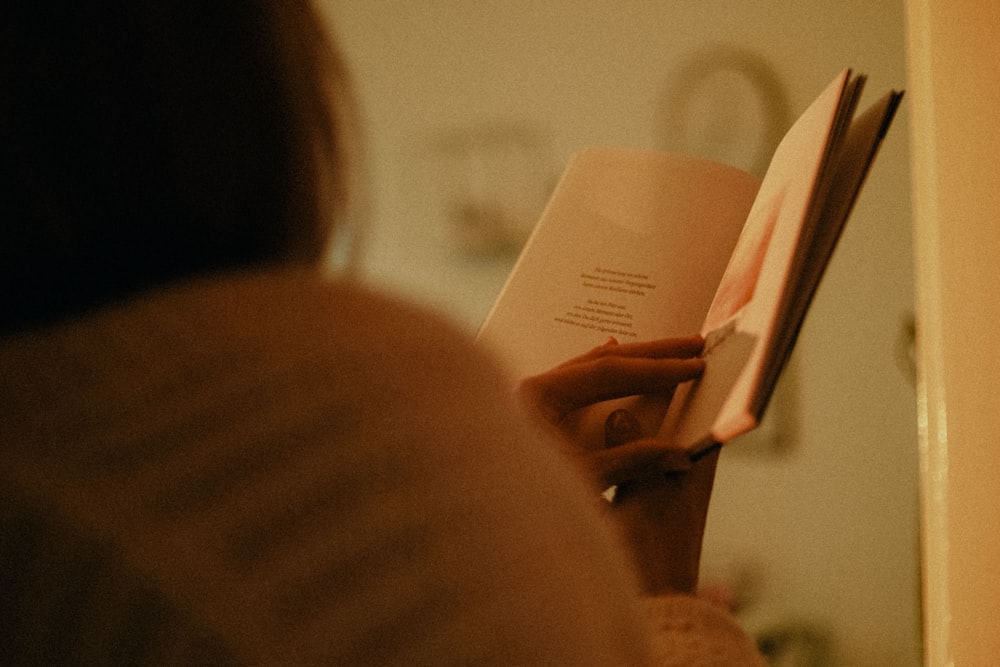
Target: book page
[860,146]
[719,406]
[632,246]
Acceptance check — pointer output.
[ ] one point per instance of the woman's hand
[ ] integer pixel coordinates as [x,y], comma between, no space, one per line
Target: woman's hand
[615,371]
[661,495]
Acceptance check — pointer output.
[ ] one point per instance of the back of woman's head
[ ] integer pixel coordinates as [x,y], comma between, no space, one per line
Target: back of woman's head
[146,141]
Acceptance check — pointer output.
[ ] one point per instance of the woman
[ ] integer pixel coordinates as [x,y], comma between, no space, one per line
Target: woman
[210,454]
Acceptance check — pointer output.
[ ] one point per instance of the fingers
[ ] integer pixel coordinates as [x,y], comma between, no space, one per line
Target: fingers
[639,459]
[569,387]
[612,371]
[679,348]
[635,456]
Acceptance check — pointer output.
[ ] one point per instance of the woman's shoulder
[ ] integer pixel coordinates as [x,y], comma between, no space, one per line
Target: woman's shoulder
[362,329]
[291,334]
[257,402]
[336,311]
[396,362]
[301,313]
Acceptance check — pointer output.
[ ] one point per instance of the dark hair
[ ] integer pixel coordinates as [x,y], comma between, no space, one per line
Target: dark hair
[145,141]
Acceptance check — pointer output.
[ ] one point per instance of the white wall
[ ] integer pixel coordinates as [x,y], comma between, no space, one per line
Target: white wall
[832,526]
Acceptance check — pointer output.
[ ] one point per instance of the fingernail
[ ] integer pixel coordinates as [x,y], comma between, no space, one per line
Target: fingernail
[620,427]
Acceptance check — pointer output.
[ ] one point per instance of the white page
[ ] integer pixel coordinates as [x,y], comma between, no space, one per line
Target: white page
[720,406]
[632,245]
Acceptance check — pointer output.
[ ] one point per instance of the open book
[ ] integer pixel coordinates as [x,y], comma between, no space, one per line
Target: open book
[641,245]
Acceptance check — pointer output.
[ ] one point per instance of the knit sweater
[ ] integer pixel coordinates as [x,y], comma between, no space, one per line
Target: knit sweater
[274,469]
